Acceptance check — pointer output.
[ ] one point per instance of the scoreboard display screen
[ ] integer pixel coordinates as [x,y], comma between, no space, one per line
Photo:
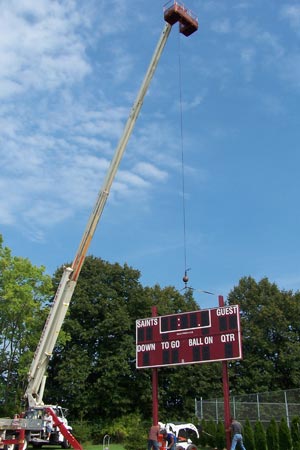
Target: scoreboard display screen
[187,338]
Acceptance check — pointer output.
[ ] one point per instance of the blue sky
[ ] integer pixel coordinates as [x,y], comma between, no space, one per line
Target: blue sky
[69,73]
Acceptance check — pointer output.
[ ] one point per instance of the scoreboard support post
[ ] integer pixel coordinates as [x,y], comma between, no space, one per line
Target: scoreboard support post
[190,337]
[154,384]
[225,382]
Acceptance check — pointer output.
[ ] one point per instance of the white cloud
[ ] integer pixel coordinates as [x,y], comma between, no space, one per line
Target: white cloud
[289,71]
[9,88]
[248,61]
[148,170]
[40,47]
[58,131]
[132,179]
[292,14]
[194,103]
[271,44]
[125,64]
[247,55]
[221,26]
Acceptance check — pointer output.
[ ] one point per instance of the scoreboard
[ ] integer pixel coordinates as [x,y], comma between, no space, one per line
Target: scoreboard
[188,338]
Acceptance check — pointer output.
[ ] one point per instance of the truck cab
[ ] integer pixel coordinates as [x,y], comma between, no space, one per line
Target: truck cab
[37,436]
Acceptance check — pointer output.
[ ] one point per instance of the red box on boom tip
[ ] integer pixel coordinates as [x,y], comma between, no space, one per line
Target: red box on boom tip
[177,12]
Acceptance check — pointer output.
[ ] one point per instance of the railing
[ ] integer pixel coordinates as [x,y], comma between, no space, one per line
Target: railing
[170,3]
[254,407]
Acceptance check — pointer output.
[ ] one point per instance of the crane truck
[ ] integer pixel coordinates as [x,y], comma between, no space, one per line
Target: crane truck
[29,428]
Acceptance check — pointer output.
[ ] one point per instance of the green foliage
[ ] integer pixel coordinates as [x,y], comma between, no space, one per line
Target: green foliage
[295,432]
[83,431]
[203,436]
[285,440]
[270,324]
[248,436]
[124,427]
[94,373]
[211,431]
[220,436]
[24,294]
[260,437]
[272,435]
[136,438]
[112,446]
[120,430]
[179,386]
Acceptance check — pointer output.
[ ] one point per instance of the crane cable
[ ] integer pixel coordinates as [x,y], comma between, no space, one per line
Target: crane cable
[185,277]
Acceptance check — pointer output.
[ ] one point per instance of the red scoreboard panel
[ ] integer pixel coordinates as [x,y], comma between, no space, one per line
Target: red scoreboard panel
[188,338]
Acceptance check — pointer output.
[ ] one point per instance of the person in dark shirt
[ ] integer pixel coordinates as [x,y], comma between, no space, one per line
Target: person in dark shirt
[236,429]
[170,439]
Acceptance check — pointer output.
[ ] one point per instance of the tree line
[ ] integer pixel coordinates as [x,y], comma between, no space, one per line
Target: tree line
[256,436]
[92,371]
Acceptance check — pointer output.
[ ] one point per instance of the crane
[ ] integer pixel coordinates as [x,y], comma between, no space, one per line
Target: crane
[174,11]
[30,428]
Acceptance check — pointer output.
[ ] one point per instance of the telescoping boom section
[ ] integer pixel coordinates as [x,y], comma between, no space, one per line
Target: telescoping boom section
[173,12]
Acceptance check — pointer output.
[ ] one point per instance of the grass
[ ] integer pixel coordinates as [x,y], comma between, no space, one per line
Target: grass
[88,446]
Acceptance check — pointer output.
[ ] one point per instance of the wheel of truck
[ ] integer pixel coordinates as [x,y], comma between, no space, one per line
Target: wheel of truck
[65,444]
[192,447]
[9,447]
[25,445]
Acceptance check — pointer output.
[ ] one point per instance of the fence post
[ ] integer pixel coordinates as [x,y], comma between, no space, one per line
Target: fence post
[258,409]
[287,409]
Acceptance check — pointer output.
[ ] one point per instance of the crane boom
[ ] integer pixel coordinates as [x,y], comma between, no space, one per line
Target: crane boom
[36,376]
[104,192]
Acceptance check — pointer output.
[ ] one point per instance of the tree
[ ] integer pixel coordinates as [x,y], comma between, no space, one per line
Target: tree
[211,430]
[94,372]
[220,436]
[271,338]
[24,295]
[295,432]
[180,385]
[285,440]
[272,435]
[260,436]
[248,436]
[203,440]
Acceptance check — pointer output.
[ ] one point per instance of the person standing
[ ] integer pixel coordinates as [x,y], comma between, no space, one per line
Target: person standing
[49,425]
[153,437]
[236,429]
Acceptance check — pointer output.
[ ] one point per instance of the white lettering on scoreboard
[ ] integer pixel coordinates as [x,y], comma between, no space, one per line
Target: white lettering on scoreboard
[227,310]
[147,322]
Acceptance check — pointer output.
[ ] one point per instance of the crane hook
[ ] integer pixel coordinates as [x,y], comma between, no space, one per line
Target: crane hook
[185,278]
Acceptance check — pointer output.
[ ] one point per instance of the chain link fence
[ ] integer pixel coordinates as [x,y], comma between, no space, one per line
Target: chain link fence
[262,407]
